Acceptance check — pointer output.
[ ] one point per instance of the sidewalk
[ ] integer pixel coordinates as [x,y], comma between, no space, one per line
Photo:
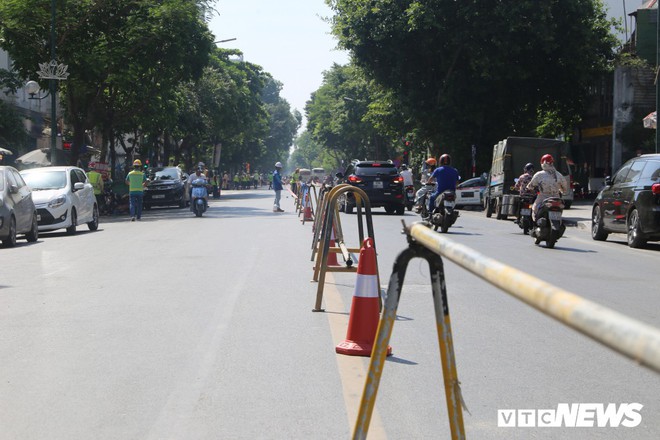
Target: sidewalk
[579,215]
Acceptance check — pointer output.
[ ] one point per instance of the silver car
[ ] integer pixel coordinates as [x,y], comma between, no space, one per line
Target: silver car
[18,214]
[64,198]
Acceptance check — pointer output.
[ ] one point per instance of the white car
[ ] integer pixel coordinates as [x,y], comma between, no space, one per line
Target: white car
[471,192]
[64,198]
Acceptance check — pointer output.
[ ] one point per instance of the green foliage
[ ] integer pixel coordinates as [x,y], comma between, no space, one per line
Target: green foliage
[12,131]
[475,71]
[352,117]
[10,81]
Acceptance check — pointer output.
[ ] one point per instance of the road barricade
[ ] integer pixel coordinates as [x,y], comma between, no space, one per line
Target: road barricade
[330,223]
[636,340]
[308,202]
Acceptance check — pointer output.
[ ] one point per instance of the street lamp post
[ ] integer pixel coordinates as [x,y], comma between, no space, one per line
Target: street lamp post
[53,90]
[53,72]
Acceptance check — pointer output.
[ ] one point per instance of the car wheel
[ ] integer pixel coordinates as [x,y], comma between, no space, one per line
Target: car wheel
[390,210]
[182,204]
[401,210]
[498,210]
[94,224]
[10,241]
[74,222]
[489,208]
[33,235]
[597,228]
[567,204]
[635,237]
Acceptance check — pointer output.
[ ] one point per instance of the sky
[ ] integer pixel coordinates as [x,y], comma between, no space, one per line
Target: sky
[288,38]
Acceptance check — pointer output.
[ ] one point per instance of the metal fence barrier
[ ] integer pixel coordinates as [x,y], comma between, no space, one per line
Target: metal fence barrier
[634,339]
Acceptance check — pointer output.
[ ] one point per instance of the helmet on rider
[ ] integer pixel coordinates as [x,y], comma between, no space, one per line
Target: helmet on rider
[445,159]
[431,161]
[278,164]
[404,167]
[529,167]
[547,158]
[137,163]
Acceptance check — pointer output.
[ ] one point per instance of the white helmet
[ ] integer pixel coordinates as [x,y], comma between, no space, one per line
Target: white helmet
[278,164]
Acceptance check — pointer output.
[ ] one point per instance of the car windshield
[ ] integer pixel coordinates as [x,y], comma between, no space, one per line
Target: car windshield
[44,180]
[477,181]
[376,169]
[167,174]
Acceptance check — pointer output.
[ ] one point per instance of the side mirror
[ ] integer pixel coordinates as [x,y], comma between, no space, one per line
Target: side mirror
[13,189]
[78,186]
[608,181]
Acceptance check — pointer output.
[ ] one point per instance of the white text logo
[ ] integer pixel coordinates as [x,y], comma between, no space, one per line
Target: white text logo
[573,415]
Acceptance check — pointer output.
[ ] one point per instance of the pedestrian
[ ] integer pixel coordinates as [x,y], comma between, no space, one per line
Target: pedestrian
[136,181]
[277,186]
[236,181]
[96,179]
[225,181]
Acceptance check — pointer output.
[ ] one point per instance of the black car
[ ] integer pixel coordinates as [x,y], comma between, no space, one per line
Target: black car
[380,180]
[166,187]
[630,202]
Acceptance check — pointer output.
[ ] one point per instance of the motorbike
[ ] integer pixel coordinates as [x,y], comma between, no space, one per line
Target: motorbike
[525,212]
[198,203]
[444,213]
[549,225]
[410,197]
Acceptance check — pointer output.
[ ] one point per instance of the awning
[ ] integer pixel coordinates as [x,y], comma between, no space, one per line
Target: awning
[651,120]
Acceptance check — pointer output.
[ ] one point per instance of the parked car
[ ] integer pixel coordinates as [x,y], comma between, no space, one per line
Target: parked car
[18,215]
[166,187]
[64,198]
[630,202]
[471,192]
[380,180]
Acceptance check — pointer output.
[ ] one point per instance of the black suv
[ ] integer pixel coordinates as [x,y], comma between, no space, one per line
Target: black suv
[630,202]
[381,182]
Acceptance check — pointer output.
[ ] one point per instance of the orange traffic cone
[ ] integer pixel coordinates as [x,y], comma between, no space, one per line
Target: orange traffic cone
[363,322]
[308,209]
[332,256]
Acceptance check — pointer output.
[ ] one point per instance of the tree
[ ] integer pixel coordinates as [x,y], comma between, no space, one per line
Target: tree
[351,116]
[474,71]
[123,56]
[12,130]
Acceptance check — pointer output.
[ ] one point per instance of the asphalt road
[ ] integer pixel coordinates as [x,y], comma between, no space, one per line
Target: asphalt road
[185,328]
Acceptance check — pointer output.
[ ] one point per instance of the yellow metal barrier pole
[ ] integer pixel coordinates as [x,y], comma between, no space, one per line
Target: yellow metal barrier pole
[384,332]
[634,339]
[324,245]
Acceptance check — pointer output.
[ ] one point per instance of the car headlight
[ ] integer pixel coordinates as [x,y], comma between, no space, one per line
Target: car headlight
[59,201]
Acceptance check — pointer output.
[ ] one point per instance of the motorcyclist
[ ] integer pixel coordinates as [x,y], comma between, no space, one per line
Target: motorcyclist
[429,167]
[199,174]
[549,181]
[445,177]
[407,176]
[524,179]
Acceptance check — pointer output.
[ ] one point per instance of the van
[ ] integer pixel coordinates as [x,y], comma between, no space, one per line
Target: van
[509,158]
[318,173]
